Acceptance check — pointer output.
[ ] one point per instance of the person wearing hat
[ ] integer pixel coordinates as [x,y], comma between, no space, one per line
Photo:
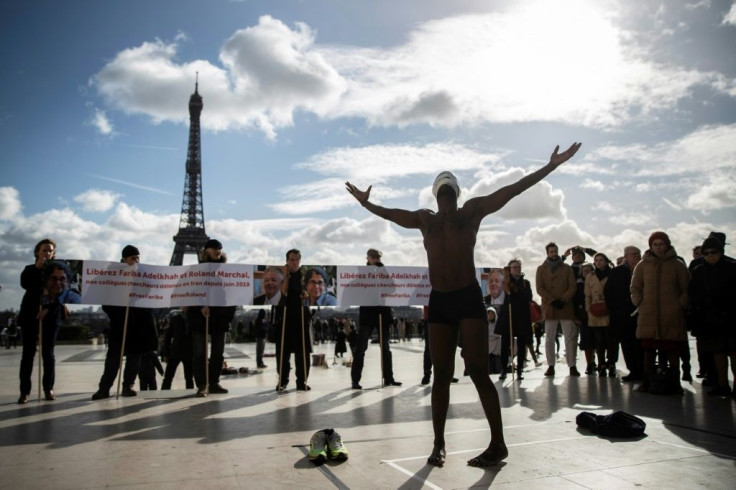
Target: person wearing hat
[712,290]
[219,324]
[706,362]
[369,319]
[140,337]
[456,301]
[659,291]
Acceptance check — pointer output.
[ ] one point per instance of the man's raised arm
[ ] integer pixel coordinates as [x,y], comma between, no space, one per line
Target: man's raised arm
[491,203]
[402,217]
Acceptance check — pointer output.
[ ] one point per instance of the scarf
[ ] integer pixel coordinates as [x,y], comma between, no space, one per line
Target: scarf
[553,264]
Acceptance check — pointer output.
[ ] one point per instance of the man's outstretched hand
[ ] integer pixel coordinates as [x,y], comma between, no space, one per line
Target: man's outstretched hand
[361,196]
[558,159]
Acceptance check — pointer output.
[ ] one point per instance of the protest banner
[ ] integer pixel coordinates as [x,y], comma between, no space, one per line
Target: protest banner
[384,286]
[155,286]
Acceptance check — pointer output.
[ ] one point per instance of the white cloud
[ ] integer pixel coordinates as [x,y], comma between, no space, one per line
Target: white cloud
[378,163]
[511,70]
[10,204]
[268,72]
[595,185]
[730,17]
[717,193]
[97,200]
[100,121]
[541,201]
[604,206]
[712,147]
[632,219]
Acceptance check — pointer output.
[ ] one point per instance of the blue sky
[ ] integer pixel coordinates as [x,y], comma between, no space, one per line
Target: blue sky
[301,96]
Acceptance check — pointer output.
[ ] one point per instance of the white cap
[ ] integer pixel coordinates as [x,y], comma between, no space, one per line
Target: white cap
[445,178]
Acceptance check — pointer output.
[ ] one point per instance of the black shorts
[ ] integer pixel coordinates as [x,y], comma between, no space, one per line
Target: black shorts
[451,307]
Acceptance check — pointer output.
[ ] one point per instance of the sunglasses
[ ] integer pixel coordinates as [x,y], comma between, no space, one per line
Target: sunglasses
[711,252]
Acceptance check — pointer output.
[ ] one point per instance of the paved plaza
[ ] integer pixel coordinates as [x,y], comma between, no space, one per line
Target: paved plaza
[256,438]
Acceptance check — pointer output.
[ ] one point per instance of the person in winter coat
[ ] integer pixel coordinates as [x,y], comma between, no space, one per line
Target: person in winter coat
[712,291]
[340,344]
[606,345]
[556,285]
[140,330]
[515,319]
[30,280]
[219,324]
[53,311]
[659,290]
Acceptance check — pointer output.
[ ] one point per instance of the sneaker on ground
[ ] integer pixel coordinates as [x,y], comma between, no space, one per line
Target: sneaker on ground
[336,449]
[318,446]
[202,392]
[550,371]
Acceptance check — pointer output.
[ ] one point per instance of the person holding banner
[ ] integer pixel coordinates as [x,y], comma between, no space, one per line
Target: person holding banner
[30,280]
[370,318]
[456,301]
[55,277]
[140,329]
[219,318]
[293,334]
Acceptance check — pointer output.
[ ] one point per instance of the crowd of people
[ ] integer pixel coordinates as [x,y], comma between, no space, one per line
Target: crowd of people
[643,306]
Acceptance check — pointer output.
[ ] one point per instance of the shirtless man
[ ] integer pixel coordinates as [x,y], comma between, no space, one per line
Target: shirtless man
[456,302]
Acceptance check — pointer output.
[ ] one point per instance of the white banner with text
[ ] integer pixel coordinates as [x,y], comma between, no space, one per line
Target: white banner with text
[156,286]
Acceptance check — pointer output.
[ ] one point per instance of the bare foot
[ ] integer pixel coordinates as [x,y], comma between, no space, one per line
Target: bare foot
[437,458]
[489,457]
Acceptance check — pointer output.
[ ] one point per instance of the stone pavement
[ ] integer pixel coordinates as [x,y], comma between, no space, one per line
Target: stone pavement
[254,437]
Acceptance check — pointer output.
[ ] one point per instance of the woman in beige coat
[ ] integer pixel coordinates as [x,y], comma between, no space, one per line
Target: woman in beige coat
[606,344]
[659,290]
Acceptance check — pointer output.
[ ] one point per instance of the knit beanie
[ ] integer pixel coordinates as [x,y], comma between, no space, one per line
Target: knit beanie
[662,236]
[130,251]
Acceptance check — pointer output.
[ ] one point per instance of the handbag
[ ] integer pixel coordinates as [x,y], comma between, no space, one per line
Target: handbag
[599,309]
[535,312]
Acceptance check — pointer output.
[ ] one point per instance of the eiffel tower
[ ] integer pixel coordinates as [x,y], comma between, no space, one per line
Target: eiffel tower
[191,236]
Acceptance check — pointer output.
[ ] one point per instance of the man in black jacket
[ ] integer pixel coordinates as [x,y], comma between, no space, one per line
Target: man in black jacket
[620,307]
[141,330]
[370,318]
[219,324]
[296,337]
